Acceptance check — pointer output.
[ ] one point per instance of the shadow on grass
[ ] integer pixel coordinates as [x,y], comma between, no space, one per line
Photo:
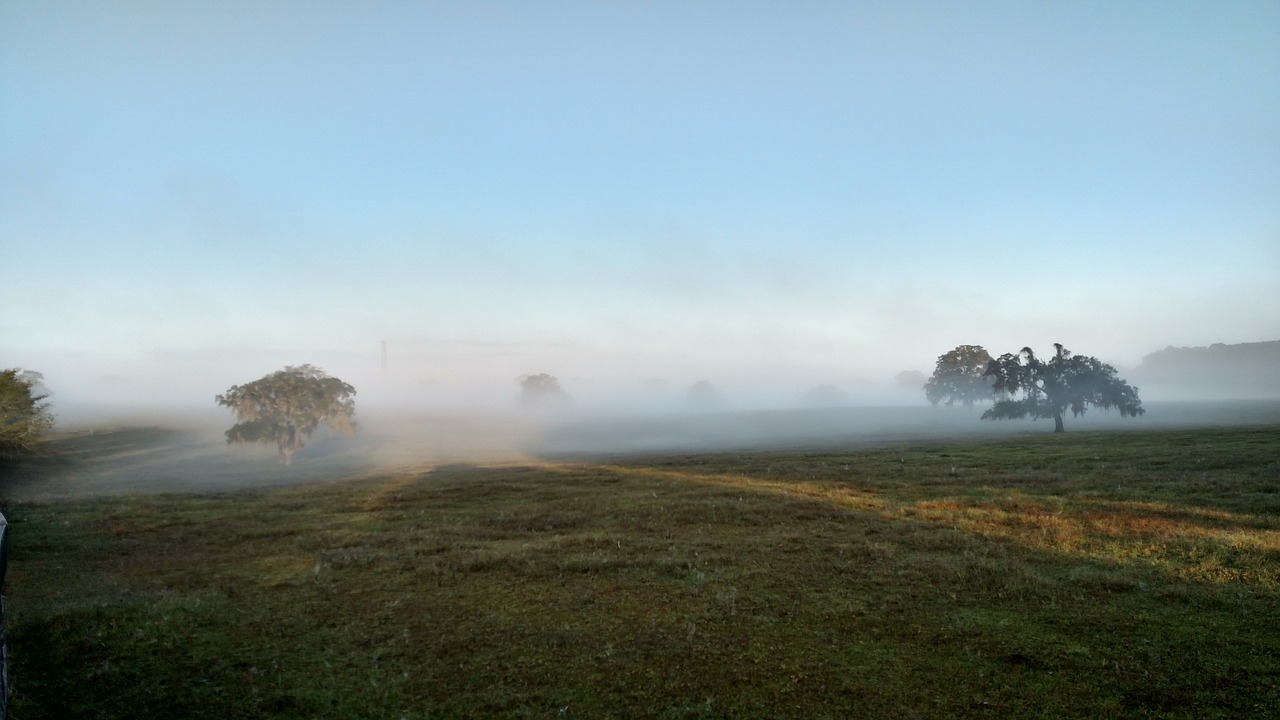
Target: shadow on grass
[132,460]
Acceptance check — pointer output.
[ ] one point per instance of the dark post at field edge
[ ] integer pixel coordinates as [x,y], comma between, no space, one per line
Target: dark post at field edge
[4,644]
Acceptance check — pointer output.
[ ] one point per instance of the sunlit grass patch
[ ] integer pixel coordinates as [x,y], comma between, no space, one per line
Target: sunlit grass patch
[1204,545]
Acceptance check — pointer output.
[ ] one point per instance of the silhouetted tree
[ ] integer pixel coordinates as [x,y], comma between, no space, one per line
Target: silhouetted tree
[958,377]
[24,415]
[1046,389]
[286,406]
[542,391]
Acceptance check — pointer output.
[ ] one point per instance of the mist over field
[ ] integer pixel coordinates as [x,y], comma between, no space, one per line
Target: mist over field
[175,450]
[466,385]
[182,446]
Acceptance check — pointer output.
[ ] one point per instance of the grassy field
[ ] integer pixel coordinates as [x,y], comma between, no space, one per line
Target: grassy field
[1092,574]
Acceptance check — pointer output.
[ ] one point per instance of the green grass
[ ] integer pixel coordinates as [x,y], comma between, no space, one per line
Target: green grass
[1128,574]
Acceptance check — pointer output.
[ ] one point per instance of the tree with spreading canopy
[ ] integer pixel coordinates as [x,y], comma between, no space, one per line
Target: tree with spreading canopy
[958,377]
[24,414]
[1042,389]
[288,405]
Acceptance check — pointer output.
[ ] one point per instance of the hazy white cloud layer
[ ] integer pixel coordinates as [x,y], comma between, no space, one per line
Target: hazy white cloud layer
[767,195]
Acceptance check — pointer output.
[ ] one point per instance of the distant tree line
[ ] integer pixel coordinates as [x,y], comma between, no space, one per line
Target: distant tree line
[1250,369]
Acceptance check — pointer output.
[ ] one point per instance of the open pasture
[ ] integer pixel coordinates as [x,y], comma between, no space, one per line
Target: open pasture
[1092,574]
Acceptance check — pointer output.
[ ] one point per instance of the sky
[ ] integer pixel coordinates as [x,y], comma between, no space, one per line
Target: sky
[762,194]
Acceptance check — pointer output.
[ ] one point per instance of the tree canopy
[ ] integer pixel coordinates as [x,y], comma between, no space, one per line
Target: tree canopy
[24,414]
[542,391]
[913,379]
[1042,389]
[958,377]
[288,405]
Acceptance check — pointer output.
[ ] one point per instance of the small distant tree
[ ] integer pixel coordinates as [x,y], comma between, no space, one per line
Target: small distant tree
[24,414]
[958,377]
[542,391]
[913,379]
[702,395]
[286,406]
[1042,389]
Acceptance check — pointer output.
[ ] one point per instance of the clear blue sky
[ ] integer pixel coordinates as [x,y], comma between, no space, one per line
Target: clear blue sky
[193,194]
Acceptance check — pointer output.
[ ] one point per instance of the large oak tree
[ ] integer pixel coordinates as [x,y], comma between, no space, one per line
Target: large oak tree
[1041,389]
[286,406]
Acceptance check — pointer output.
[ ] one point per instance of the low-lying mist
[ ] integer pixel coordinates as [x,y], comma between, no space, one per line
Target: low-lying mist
[185,451]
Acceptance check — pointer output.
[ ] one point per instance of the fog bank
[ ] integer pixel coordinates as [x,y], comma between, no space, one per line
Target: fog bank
[186,452]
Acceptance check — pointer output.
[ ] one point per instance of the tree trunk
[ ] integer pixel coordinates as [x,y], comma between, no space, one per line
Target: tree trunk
[289,443]
[1057,423]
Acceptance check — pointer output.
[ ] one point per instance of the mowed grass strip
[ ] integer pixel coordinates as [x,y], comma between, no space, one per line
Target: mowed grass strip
[1129,574]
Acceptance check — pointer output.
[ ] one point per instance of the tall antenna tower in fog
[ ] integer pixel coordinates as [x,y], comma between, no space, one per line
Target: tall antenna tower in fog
[384,357]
